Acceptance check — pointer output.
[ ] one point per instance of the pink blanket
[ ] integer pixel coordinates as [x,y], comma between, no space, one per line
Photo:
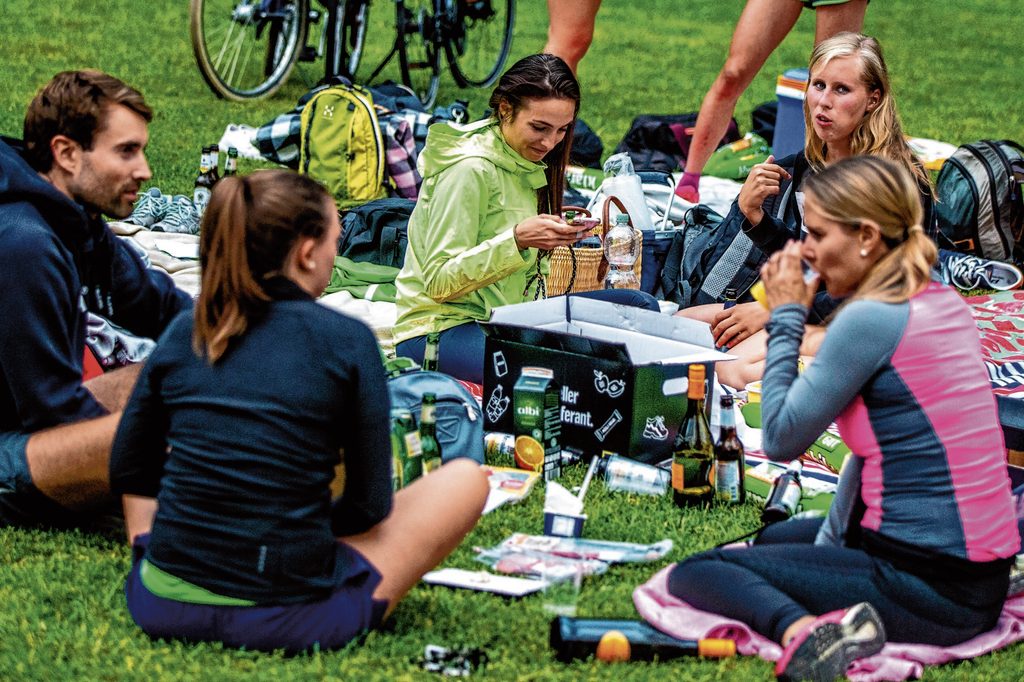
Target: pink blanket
[894,662]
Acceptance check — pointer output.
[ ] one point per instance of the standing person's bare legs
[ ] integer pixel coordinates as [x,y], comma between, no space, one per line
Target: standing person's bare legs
[762,25]
[571,29]
[427,522]
[832,19]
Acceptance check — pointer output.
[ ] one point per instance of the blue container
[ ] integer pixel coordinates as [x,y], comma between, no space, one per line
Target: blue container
[563,525]
[789,123]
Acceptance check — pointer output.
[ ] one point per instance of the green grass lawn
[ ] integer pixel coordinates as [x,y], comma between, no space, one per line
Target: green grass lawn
[957,70]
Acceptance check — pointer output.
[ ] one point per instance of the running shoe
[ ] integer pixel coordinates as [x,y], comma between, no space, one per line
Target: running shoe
[150,208]
[181,217]
[825,648]
[970,272]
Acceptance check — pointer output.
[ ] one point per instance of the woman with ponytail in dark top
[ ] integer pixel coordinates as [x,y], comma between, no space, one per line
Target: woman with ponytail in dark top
[237,427]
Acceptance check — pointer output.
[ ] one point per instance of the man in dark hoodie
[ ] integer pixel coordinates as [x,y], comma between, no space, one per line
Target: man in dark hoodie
[83,157]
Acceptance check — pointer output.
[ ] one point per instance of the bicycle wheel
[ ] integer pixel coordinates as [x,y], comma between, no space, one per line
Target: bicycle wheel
[355,17]
[419,58]
[245,49]
[478,38]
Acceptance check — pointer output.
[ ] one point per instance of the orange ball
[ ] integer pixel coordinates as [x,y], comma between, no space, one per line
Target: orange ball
[613,647]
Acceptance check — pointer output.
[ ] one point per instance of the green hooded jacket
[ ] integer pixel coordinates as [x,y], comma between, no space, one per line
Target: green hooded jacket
[462,258]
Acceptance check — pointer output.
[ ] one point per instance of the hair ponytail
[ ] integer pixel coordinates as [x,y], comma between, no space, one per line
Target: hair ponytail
[859,189]
[902,272]
[250,226]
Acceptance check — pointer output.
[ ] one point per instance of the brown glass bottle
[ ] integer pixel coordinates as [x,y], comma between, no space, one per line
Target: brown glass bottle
[693,455]
[730,462]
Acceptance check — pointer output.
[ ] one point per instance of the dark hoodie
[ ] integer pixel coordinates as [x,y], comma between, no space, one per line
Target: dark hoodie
[56,263]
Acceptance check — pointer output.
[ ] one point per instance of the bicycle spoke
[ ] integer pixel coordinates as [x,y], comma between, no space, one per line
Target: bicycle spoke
[478,39]
[418,53]
[243,52]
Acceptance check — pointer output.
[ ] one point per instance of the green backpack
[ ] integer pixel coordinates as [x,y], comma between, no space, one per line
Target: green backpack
[340,144]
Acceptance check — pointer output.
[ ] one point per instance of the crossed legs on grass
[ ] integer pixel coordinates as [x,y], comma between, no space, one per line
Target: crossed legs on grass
[428,520]
[70,463]
[778,588]
[762,26]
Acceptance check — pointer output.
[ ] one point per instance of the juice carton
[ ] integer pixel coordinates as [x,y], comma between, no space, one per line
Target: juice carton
[537,424]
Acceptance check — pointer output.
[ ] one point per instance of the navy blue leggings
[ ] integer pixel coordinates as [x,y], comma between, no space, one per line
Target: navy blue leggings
[462,347]
[784,577]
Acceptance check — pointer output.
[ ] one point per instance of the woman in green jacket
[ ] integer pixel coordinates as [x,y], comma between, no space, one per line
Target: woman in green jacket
[490,203]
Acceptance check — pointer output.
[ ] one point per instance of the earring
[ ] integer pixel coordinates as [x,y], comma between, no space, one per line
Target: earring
[311,264]
[863,253]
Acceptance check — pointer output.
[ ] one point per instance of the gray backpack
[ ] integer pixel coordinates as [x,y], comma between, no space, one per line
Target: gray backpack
[460,427]
[980,210]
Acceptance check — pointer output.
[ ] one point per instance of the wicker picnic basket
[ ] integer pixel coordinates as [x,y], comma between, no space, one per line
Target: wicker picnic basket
[583,268]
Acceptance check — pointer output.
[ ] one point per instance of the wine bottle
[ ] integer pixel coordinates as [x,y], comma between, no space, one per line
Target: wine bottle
[693,454]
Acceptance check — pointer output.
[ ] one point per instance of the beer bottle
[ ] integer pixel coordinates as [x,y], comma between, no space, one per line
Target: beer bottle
[693,454]
[412,467]
[428,434]
[231,164]
[215,162]
[730,462]
[784,498]
[204,183]
[626,640]
[398,456]
[430,351]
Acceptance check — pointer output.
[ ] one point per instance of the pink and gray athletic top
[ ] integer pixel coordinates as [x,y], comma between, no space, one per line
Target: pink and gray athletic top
[906,384]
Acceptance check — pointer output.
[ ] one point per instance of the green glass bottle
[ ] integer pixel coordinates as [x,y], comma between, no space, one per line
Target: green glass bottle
[430,351]
[429,446]
[405,449]
[231,164]
[694,452]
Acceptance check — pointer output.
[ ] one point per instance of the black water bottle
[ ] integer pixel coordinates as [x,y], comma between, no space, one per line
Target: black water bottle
[784,498]
[626,640]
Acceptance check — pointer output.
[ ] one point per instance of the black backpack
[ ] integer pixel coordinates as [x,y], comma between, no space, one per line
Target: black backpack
[662,142]
[376,232]
[979,209]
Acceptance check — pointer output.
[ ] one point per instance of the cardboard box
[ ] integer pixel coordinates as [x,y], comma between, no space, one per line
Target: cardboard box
[622,371]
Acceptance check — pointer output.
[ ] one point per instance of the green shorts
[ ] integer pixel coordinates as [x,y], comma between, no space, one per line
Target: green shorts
[814,4]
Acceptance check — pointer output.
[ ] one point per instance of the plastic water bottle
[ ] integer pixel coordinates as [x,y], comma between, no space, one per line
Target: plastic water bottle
[621,248]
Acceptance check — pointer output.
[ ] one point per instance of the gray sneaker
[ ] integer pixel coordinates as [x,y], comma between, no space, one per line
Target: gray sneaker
[181,217]
[824,649]
[150,208]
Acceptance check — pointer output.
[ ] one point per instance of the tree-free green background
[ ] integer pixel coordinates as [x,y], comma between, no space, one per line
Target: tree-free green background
[957,69]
